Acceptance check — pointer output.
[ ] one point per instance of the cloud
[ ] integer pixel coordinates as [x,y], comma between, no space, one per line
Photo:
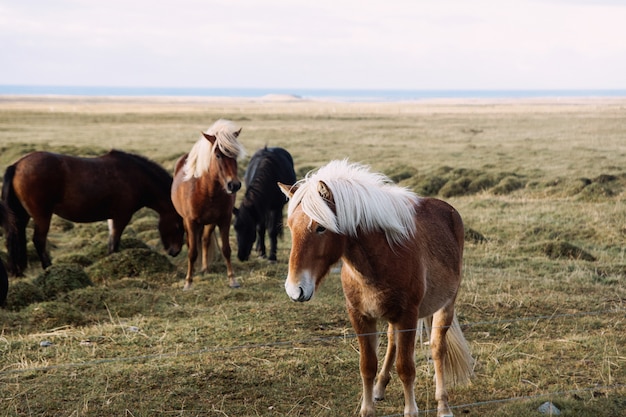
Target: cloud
[316,44]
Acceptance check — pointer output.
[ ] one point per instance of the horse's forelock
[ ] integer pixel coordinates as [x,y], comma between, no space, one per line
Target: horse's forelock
[226,133]
[199,158]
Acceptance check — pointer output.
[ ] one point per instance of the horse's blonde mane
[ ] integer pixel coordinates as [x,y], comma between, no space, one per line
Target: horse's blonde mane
[199,157]
[363,200]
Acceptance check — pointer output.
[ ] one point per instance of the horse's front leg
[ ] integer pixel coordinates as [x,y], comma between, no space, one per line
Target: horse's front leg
[260,240]
[224,232]
[368,362]
[193,231]
[405,361]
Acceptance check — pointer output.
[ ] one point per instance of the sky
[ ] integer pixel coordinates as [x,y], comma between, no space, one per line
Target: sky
[339,44]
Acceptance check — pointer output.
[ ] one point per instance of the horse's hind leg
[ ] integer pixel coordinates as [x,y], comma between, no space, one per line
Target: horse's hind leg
[384,376]
[116,228]
[275,223]
[260,239]
[405,362]
[442,320]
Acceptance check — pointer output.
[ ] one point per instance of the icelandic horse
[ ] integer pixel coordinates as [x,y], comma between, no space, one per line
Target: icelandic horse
[109,187]
[402,257]
[203,192]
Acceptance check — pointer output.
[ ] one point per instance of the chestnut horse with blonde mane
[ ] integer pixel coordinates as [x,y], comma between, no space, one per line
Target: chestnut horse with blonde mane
[203,192]
[402,258]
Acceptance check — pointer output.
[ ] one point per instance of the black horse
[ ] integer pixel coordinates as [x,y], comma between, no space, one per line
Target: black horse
[262,205]
[7,221]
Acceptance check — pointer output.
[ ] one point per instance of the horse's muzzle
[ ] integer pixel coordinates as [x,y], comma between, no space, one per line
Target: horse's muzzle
[233,186]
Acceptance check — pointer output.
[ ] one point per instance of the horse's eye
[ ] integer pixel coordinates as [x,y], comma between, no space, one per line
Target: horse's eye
[320,229]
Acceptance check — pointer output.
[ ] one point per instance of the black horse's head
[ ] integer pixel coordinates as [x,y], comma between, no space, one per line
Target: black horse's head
[245,228]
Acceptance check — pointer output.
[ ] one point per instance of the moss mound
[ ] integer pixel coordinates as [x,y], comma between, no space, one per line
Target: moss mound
[401,172]
[130,263]
[74,258]
[101,250]
[558,250]
[507,185]
[61,278]
[474,236]
[51,314]
[451,182]
[23,293]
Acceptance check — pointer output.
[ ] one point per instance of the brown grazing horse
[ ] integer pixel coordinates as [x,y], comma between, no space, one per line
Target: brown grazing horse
[402,259]
[83,190]
[203,191]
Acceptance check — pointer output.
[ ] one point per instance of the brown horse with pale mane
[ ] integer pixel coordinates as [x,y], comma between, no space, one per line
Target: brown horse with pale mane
[203,192]
[402,258]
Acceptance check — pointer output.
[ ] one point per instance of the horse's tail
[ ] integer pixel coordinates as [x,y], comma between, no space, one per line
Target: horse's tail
[15,231]
[8,222]
[458,364]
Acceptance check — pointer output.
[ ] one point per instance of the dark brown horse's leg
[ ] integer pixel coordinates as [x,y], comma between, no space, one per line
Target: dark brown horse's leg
[384,376]
[224,232]
[40,234]
[116,228]
[193,231]
[405,361]
[368,362]
[442,320]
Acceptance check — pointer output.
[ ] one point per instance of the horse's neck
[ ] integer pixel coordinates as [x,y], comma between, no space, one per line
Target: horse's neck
[369,254]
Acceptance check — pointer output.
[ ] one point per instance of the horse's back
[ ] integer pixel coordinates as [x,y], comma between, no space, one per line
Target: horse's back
[276,160]
[76,188]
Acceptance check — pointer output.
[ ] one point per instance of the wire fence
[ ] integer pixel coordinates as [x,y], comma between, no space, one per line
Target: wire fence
[343,336]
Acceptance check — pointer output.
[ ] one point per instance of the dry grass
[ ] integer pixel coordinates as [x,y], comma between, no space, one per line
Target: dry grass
[542,182]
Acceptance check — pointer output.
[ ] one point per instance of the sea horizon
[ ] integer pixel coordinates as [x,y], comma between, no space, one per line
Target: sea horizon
[308,93]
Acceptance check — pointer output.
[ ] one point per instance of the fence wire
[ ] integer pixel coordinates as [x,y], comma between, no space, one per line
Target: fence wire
[208,350]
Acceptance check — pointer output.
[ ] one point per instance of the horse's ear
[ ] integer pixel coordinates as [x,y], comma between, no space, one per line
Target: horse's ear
[210,138]
[288,190]
[326,194]
[237,133]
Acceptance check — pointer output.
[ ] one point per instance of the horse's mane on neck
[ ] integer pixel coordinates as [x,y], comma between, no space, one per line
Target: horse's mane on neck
[199,158]
[161,180]
[151,168]
[363,200]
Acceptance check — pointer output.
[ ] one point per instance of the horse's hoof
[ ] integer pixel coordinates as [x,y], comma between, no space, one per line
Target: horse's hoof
[187,287]
[234,285]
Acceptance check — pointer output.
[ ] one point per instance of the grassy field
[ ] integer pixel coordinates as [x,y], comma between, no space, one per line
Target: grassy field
[540,185]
